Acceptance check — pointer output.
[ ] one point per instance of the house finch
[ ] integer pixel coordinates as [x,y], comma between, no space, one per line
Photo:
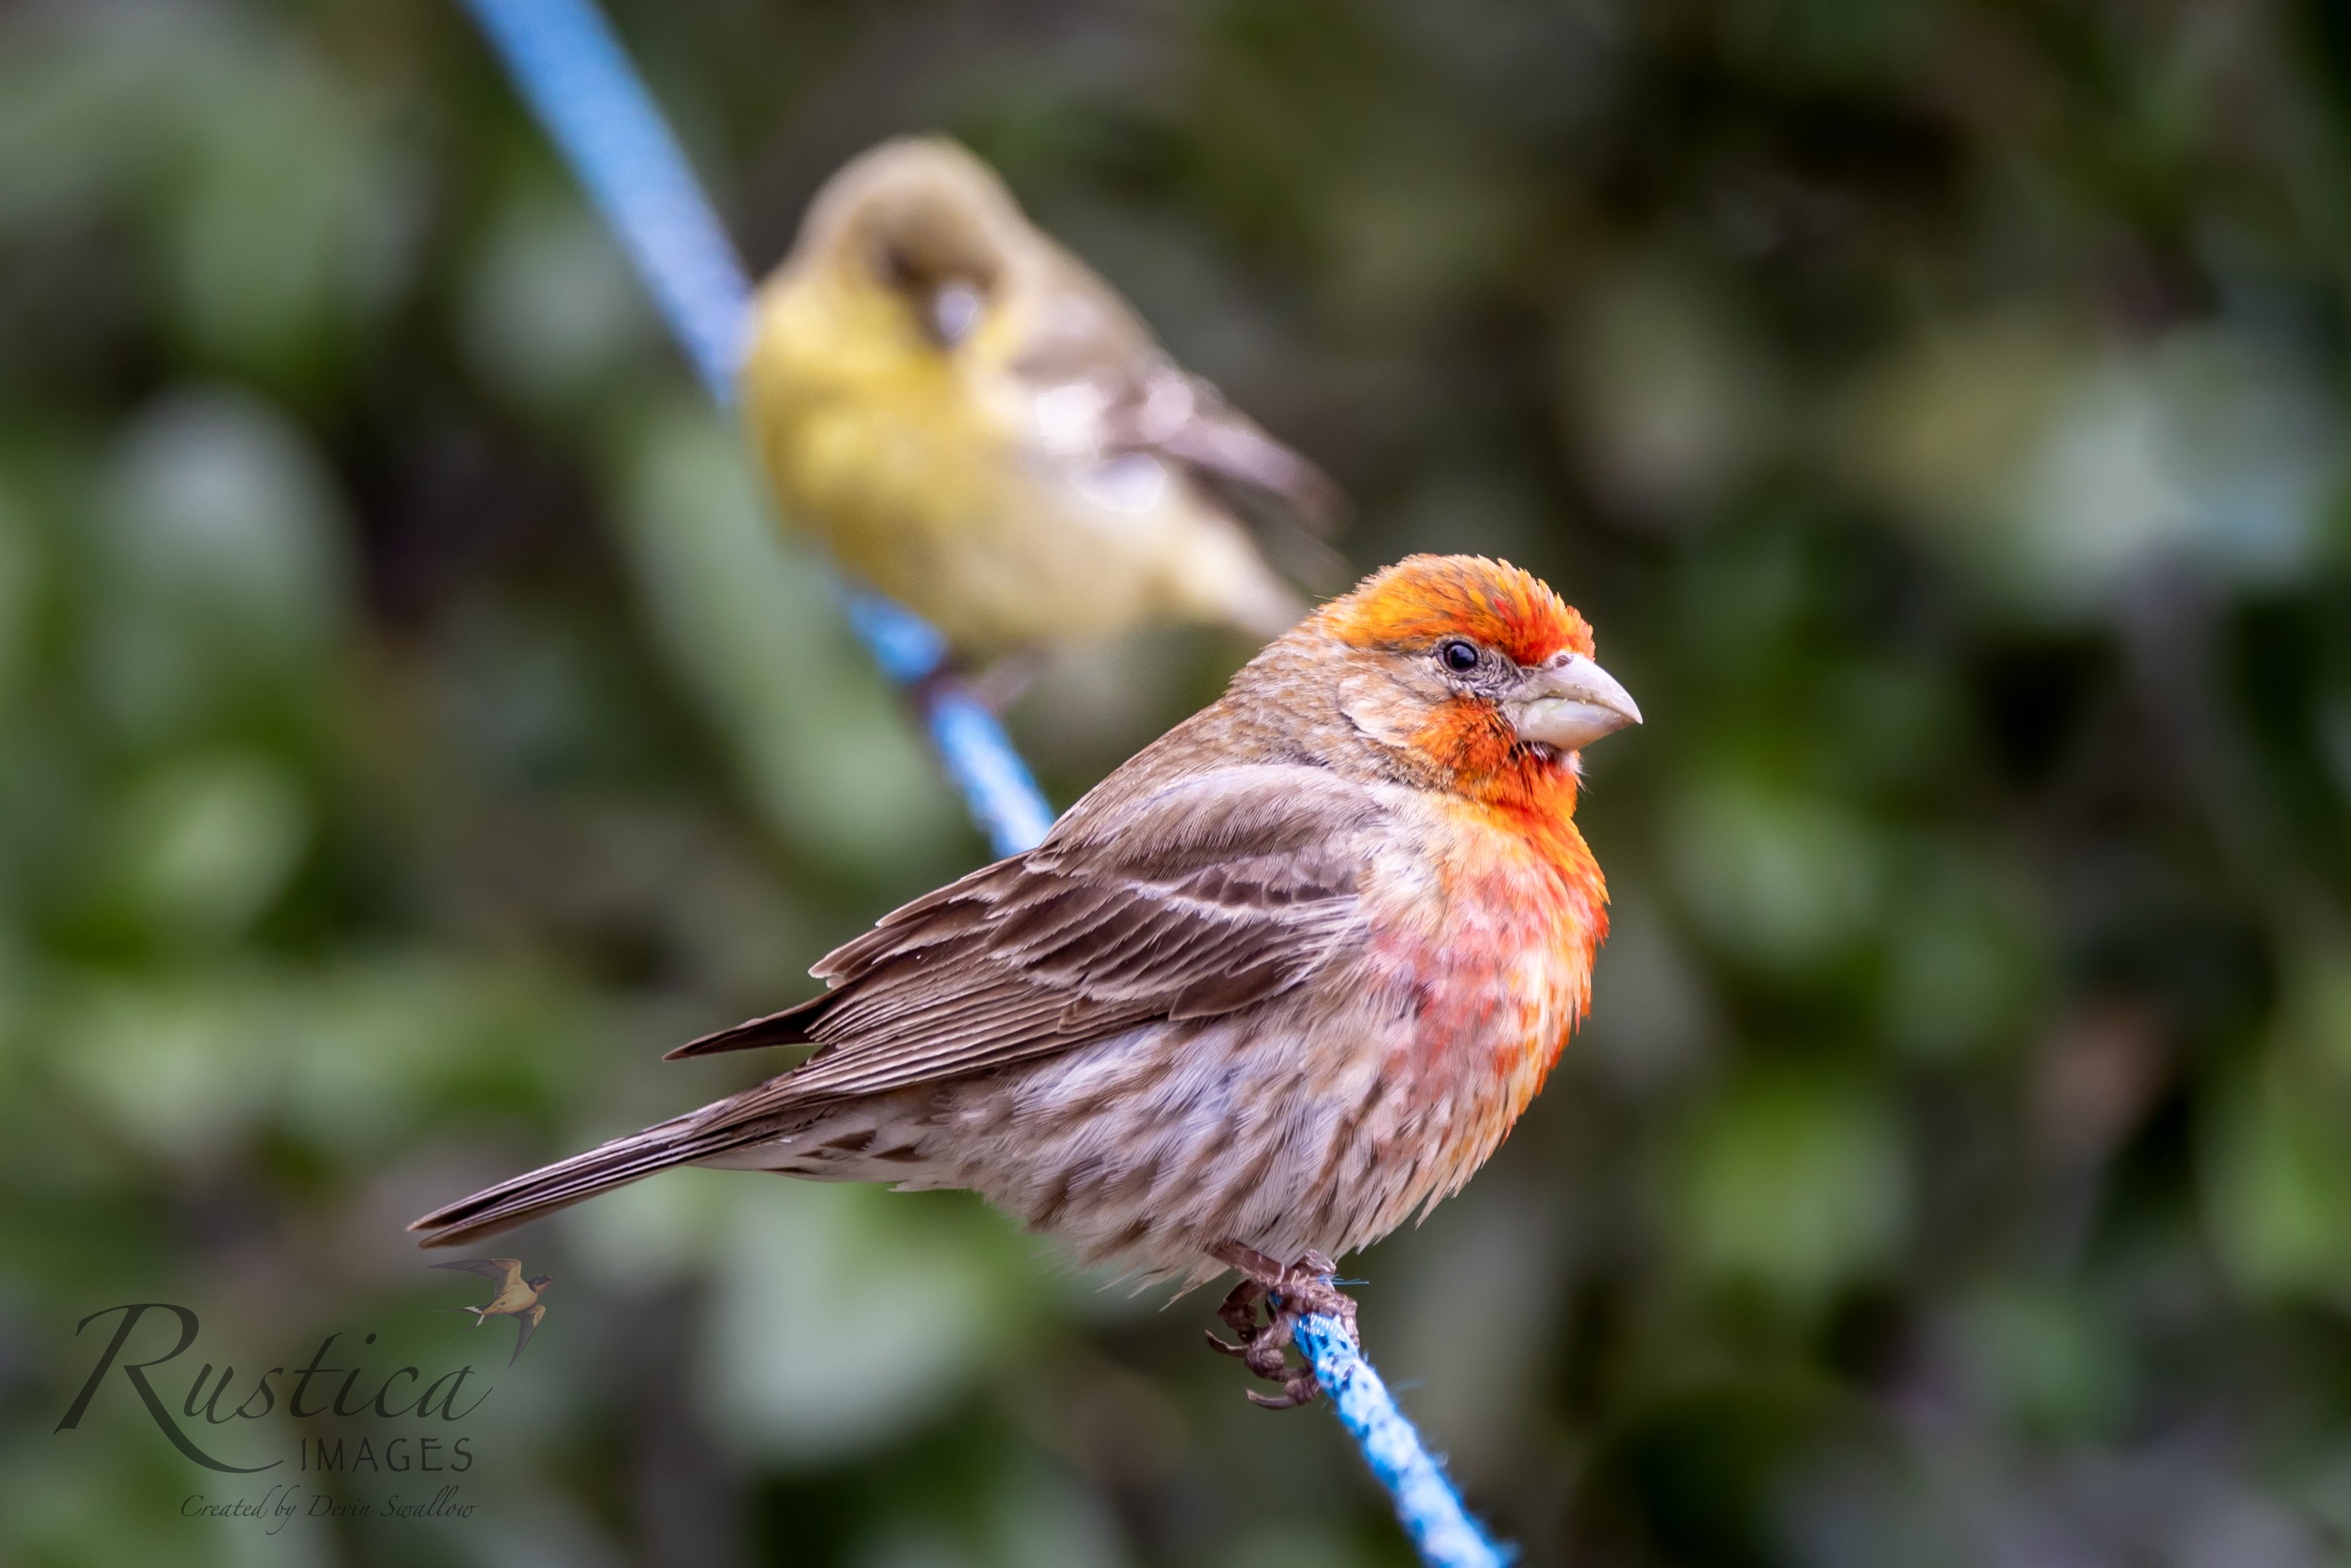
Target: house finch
[1288,974]
[979,426]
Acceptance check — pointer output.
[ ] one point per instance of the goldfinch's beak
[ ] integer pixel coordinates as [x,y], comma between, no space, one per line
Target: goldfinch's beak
[1570,703]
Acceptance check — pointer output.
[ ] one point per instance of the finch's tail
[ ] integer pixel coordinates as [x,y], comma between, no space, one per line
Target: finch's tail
[675,1142]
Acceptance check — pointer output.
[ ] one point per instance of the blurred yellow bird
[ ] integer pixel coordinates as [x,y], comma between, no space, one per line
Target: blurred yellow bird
[978,427]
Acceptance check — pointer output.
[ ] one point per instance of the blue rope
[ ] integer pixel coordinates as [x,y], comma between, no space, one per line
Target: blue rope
[563,56]
[1426,1503]
[578,81]
[570,67]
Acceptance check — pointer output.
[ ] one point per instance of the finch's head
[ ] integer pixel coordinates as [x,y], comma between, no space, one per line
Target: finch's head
[1469,670]
[922,224]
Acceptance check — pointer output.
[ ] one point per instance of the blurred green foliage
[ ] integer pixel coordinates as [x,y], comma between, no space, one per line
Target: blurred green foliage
[409,725]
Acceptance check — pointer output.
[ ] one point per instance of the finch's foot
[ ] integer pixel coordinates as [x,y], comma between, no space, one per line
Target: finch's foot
[1288,1293]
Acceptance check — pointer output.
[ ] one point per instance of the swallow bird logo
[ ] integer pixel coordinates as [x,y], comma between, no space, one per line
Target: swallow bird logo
[517,1296]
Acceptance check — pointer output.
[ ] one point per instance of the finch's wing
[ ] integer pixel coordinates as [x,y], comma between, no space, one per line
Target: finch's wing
[1087,358]
[1210,895]
[506,1271]
[1170,412]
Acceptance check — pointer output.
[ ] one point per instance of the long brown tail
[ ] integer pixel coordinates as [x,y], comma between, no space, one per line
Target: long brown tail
[623,1160]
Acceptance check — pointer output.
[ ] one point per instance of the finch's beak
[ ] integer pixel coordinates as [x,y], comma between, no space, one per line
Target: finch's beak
[1570,703]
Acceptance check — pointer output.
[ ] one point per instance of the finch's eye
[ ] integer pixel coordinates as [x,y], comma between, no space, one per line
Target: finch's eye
[1458,656]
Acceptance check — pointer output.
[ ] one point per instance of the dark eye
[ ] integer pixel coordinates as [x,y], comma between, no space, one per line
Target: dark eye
[1458,656]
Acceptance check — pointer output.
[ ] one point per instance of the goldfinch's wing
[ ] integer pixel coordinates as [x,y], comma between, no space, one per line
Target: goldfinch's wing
[1089,358]
[1210,896]
[1172,414]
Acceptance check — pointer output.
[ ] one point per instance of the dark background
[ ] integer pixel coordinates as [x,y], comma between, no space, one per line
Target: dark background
[409,728]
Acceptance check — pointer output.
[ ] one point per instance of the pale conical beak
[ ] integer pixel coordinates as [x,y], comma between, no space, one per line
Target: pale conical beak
[1570,703]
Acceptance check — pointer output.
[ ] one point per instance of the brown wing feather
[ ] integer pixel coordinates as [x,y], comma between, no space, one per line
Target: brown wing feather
[1211,894]
[939,916]
[1201,896]
[1177,415]
[1081,331]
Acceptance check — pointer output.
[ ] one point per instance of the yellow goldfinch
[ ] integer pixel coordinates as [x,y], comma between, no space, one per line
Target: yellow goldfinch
[978,427]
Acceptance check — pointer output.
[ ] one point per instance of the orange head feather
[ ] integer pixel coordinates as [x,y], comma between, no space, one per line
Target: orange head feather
[1425,596]
[1455,728]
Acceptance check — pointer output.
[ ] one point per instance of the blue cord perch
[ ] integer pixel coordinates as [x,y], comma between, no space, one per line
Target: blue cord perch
[572,70]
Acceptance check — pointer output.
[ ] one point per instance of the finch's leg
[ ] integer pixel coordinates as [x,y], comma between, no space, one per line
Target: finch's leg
[994,688]
[1239,1313]
[1288,1291]
[1007,677]
[1260,1344]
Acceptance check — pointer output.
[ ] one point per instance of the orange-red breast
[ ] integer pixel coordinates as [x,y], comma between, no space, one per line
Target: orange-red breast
[1286,975]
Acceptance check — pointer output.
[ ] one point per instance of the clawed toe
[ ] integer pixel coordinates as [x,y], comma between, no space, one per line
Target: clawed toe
[1287,1293]
[1298,1388]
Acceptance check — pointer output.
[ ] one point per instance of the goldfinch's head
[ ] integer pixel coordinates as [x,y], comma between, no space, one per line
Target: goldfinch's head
[922,222]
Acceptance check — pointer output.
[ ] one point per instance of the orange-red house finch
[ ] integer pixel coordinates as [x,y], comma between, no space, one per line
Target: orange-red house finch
[1286,975]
